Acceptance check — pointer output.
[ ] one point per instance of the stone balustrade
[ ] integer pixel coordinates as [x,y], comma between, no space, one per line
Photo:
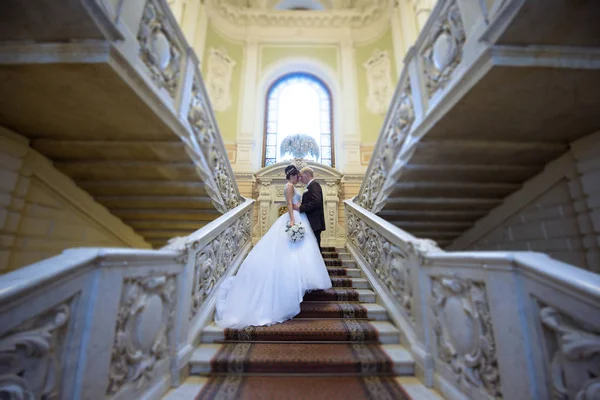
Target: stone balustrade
[448,49]
[484,325]
[153,48]
[114,323]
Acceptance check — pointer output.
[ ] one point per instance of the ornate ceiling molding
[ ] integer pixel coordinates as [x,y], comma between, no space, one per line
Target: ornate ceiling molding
[353,17]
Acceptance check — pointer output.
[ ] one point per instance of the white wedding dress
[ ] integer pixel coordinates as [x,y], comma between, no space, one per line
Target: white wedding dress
[273,278]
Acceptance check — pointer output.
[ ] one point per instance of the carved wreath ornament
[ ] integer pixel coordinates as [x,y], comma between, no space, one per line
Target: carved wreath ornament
[221,185]
[385,259]
[30,357]
[401,123]
[146,314]
[213,260]
[158,48]
[443,51]
[463,327]
[574,357]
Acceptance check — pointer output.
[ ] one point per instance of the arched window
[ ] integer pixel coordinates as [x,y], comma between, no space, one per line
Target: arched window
[298,103]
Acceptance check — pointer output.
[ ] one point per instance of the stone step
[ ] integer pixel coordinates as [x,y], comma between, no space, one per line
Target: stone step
[340,263]
[343,271]
[308,331]
[190,388]
[347,282]
[339,294]
[314,310]
[340,256]
[323,357]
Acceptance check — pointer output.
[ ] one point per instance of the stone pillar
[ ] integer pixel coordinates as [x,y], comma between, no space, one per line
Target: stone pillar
[399,45]
[422,11]
[348,159]
[332,190]
[248,156]
[200,34]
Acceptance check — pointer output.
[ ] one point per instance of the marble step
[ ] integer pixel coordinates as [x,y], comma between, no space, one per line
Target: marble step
[340,263]
[340,256]
[340,294]
[190,388]
[349,272]
[402,360]
[386,332]
[334,310]
[348,282]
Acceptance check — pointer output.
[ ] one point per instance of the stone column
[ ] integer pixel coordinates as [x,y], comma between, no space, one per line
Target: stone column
[331,212]
[399,45]
[348,130]
[422,11]
[200,34]
[248,156]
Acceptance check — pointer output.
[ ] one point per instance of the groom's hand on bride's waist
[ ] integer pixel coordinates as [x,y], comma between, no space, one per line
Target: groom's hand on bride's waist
[296,207]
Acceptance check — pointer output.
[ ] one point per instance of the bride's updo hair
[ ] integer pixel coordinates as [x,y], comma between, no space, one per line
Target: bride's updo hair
[290,171]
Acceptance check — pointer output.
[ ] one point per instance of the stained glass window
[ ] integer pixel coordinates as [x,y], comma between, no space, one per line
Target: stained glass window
[298,103]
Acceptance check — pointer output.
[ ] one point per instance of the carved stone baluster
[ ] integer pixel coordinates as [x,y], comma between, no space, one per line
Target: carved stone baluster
[30,364]
[574,353]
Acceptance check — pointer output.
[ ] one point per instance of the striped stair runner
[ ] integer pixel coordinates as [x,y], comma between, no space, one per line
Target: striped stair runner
[340,346]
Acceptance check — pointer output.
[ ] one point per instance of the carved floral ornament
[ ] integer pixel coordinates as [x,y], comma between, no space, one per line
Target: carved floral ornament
[30,365]
[159,49]
[386,260]
[401,122]
[212,261]
[379,81]
[218,78]
[145,318]
[443,49]
[464,332]
[220,183]
[574,355]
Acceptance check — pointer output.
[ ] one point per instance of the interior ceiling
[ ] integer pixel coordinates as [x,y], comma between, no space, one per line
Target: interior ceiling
[301,5]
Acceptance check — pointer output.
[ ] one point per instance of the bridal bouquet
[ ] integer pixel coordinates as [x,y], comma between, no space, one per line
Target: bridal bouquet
[295,232]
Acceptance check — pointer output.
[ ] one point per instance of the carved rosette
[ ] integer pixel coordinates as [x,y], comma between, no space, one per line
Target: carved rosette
[213,260]
[574,353]
[387,261]
[30,365]
[371,196]
[443,48]
[145,319]
[159,49]
[464,332]
[220,184]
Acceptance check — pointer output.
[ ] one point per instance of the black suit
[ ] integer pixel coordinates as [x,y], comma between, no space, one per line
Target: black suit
[312,205]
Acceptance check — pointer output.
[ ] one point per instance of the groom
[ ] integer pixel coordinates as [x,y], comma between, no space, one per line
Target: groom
[312,202]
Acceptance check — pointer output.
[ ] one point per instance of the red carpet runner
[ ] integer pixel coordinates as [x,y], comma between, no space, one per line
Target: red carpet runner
[329,351]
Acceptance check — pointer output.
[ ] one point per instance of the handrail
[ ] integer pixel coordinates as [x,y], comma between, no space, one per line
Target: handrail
[90,311]
[176,87]
[425,88]
[507,318]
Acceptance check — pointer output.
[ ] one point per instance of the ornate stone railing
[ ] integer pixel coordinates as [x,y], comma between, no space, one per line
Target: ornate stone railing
[114,323]
[446,54]
[484,325]
[153,51]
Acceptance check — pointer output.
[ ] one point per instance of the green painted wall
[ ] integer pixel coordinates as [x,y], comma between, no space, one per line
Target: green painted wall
[227,120]
[272,53]
[370,124]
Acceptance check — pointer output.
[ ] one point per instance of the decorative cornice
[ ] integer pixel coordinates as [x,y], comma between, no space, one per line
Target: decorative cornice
[329,26]
[353,18]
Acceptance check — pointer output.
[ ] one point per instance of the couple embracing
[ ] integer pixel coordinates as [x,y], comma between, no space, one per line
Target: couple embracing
[276,274]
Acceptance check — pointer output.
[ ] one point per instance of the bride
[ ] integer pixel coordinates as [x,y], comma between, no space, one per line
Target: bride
[276,274]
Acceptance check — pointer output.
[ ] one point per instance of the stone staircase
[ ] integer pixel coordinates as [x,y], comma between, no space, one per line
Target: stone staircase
[341,345]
